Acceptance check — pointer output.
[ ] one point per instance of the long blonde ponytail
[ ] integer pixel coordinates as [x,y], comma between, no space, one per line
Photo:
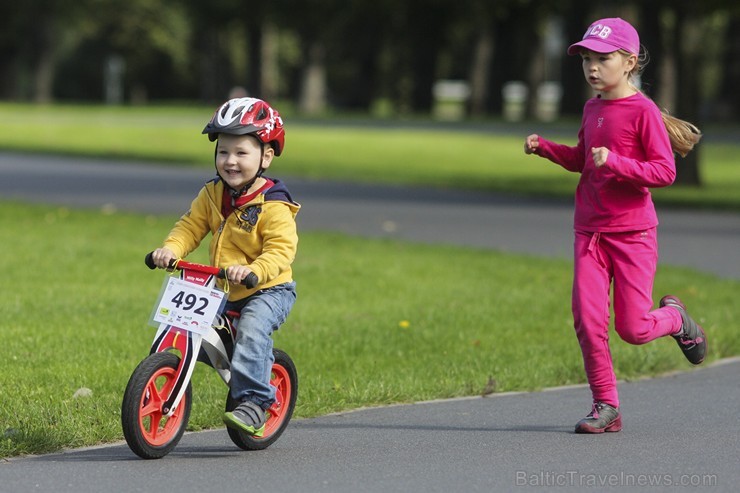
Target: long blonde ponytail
[683,135]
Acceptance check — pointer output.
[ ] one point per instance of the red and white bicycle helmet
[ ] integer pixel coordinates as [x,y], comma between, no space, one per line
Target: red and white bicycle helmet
[242,116]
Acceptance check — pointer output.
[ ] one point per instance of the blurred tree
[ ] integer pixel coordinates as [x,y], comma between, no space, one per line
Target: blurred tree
[235,47]
[11,24]
[483,14]
[314,22]
[153,37]
[518,50]
[729,103]
[577,16]
[422,29]
[356,46]
[499,51]
[687,46]
[30,39]
[210,66]
[42,35]
[352,53]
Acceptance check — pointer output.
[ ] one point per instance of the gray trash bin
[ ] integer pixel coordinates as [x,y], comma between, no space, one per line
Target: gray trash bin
[515,94]
[450,99]
[549,95]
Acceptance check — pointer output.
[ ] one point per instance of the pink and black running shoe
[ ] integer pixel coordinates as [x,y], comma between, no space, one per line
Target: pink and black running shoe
[691,340]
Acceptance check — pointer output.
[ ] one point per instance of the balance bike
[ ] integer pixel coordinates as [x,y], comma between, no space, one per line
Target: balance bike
[156,403]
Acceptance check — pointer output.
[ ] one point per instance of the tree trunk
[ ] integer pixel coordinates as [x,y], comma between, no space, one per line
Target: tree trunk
[424,69]
[575,89]
[479,72]
[729,105]
[44,64]
[8,74]
[313,86]
[425,33]
[536,70]
[651,38]
[688,70]
[270,77]
[254,61]
[516,39]
[363,91]
[214,78]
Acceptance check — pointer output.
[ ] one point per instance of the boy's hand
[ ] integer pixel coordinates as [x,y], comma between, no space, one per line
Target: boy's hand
[237,273]
[599,154]
[531,143]
[162,257]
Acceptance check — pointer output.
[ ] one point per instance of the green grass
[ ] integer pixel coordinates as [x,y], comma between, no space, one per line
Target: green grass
[376,322]
[481,156]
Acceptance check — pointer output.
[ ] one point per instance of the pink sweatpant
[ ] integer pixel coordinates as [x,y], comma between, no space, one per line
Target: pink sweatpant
[628,260]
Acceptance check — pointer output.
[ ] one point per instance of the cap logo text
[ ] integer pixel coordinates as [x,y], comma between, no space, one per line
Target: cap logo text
[598,30]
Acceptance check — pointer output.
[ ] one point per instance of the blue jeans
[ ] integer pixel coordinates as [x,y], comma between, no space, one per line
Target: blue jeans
[251,365]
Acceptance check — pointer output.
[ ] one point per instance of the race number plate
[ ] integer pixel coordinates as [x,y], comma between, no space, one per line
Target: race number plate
[188,306]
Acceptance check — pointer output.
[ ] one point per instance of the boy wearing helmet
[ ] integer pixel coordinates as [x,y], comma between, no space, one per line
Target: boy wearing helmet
[252,220]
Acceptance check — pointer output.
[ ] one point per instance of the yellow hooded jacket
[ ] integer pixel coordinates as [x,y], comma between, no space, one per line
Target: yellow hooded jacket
[260,234]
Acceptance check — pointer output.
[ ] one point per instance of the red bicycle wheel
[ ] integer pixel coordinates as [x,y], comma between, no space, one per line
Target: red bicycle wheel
[149,432]
[285,380]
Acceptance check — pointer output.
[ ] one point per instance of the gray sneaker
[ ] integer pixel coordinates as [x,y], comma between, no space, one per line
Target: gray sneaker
[692,341]
[247,417]
[602,418]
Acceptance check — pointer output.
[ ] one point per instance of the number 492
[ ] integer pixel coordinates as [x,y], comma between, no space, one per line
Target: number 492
[188,302]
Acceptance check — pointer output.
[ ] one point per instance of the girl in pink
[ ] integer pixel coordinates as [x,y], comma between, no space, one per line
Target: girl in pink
[625,147]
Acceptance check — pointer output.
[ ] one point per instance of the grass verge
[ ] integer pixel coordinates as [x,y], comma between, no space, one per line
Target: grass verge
[377,322]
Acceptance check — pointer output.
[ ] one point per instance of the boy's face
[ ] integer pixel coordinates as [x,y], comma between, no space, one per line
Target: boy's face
[239,158]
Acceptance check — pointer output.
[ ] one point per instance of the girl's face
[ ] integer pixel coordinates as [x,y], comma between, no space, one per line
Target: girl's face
[608,73]
[239,158]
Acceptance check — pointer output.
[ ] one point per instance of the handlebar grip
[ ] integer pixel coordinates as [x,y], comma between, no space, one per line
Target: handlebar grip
[250,281]
[149,261]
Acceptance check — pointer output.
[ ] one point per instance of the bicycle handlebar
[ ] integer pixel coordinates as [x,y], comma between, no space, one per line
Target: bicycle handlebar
[149,261]
[250,281]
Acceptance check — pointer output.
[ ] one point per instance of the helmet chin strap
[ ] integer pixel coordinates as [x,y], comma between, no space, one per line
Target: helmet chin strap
[235,194]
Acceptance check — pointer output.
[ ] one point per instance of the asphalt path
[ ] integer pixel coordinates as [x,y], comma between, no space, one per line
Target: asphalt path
[706,241]
[676,436]
[681,431]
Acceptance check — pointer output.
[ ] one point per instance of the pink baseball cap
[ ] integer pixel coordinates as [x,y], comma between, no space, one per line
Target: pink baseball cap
[608,35]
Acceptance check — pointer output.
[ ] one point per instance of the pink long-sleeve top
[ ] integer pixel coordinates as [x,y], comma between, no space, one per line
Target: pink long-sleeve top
[616,197]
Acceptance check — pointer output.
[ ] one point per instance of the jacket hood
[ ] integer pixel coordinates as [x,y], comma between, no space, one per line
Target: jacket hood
[277,193]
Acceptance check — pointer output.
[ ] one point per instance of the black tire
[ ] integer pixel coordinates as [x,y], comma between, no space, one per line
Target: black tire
[155,373]
[285,379]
